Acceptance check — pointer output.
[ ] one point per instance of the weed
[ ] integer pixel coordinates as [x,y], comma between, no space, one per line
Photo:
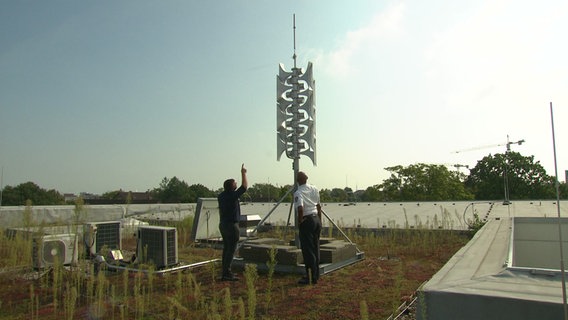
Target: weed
[33,298]
[476,224]
[61,294]
[124,286]
[250,277]
[101,293]
[364,310]
[70,301]
[271,263]
[139,295]
[241,305]
[227,304]
[77,211]
[150,275]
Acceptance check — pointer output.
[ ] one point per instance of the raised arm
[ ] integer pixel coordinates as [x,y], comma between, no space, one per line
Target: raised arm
[244,181]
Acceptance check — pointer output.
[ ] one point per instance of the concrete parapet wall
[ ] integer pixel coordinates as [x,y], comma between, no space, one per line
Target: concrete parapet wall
[14,216]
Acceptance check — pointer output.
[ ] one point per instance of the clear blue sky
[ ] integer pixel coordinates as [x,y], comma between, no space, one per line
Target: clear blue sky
[104,95]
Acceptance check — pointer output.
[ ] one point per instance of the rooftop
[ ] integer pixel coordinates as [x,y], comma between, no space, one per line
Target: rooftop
[509,270]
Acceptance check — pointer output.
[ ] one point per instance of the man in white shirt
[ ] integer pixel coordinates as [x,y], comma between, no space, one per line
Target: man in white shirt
[308,207]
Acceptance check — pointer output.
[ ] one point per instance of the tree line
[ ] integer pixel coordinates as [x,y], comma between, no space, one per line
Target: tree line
[494,175]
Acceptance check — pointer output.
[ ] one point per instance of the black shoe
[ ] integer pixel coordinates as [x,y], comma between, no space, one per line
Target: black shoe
[306,280]
[229,278]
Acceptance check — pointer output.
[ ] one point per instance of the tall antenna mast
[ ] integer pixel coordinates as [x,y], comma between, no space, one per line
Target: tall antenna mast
[295,114]
[294,56]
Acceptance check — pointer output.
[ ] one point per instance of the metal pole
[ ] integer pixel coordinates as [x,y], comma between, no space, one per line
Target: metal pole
[296,224]
[505,177]
[506,181]
[294,23]
[296,165]
[559,220]
[148,271]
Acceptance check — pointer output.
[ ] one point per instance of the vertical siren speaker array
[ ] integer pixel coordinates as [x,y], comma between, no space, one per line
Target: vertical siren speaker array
[157,245]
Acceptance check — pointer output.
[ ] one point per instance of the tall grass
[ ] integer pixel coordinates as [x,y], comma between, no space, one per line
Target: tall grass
[56,282]
[364,310]
[140,296]
[32,304]
[241,306]
[250,277]
[182,295]
[184,228]
[100,294]
[271,264]
[227,304]
[77,218]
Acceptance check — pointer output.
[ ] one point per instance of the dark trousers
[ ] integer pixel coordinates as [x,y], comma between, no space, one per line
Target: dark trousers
[230,234]
[310,230]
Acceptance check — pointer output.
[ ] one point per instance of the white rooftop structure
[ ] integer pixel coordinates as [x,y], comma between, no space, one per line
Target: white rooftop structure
[454,215]
[509,270]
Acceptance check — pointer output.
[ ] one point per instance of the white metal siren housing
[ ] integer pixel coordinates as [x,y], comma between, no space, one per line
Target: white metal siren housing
[296,113]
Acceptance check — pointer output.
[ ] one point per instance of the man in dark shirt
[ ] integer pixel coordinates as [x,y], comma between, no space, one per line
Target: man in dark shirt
[230,213]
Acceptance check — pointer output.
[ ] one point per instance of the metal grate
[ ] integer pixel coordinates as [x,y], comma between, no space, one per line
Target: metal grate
[158,245]
[171,246]
[107,235]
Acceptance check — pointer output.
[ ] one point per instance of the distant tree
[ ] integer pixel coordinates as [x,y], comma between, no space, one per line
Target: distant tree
[350,194]
[280,192]
[111,195]
[173,191]
[338,195]
[423,182]
[526,178]
[325,195]
[17,196]
[177,191]
[199,191]
[253,194]
[372,193]
[563,190]
[265,192]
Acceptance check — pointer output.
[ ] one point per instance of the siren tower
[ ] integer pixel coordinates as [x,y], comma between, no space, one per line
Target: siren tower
[296,113]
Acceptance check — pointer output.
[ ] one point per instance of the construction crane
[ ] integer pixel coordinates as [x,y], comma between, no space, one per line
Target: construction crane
[458,166]
[508,149]
[507,144]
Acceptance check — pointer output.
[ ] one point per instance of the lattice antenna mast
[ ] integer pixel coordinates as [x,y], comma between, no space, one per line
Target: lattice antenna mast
[296,112]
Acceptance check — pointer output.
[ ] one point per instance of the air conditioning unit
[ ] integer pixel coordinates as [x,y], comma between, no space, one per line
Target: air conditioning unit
[97,235]
[49,250]
[157,245]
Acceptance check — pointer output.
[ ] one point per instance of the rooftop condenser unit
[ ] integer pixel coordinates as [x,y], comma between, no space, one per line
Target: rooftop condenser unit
[157,245]
[49,250]
[97,235]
